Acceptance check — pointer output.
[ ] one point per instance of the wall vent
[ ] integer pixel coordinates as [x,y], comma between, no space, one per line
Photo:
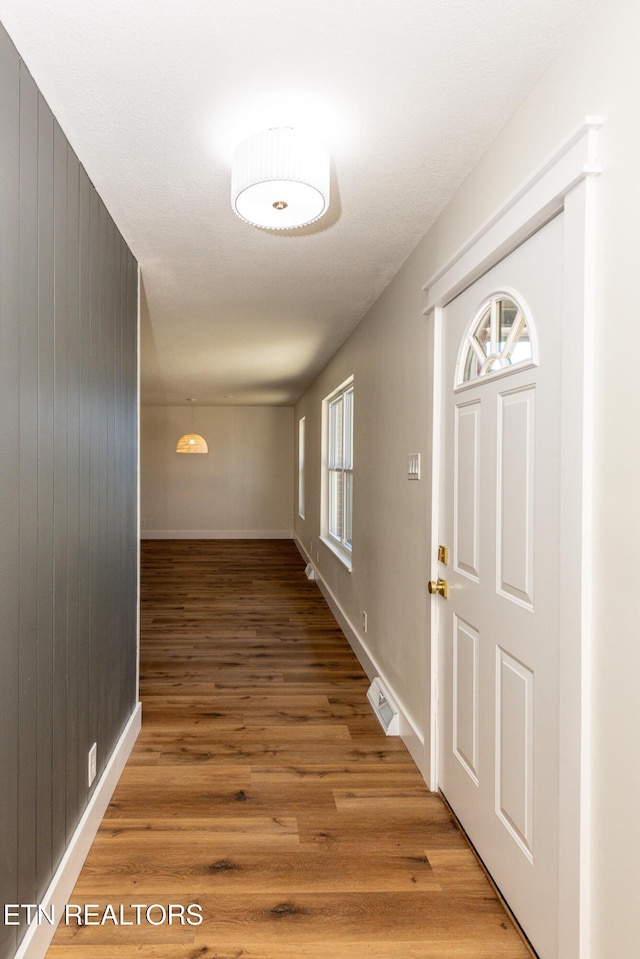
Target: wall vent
[309,571]
[384,707]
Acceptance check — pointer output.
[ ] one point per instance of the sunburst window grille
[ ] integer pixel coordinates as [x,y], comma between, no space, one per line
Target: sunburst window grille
[499,338]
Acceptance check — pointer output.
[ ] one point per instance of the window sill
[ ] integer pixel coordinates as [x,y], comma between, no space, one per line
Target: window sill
[344,557]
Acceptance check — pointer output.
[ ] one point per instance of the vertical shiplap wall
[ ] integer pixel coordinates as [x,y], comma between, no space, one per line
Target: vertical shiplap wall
[68,524]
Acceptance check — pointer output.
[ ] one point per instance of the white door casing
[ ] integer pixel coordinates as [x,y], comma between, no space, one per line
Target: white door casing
[566,183]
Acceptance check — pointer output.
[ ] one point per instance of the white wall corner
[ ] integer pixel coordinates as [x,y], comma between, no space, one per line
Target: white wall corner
[409,732]
[39,935]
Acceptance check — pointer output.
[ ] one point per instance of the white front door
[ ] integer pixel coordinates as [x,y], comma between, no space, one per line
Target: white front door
[499,626]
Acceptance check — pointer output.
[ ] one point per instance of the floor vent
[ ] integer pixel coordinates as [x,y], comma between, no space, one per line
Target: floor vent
[384,707]
[309,571]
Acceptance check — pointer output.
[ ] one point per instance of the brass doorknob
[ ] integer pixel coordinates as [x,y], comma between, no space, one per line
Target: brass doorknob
[441,587]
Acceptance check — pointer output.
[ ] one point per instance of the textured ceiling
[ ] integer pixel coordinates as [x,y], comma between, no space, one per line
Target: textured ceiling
[154,95]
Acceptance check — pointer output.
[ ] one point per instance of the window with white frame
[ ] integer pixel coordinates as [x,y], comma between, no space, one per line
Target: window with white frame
[338,478]
[301,428]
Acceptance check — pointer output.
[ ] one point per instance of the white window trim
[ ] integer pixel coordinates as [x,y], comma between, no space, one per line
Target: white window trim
[339,549]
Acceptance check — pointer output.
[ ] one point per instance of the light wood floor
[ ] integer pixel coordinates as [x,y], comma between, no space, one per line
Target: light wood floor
[263,789]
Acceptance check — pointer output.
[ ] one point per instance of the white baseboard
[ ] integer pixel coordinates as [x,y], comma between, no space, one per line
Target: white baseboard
[38,936]
[409,733]
[216,534]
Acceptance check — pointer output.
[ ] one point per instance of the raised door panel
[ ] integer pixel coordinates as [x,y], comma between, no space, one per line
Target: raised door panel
[516,495]
[466,518]
[466,643]
[514,749]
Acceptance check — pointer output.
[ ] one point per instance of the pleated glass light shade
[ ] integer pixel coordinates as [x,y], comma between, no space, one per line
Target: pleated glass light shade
[192,443]
[280,179]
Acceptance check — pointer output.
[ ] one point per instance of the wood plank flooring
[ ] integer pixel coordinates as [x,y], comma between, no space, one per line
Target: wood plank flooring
[263,789]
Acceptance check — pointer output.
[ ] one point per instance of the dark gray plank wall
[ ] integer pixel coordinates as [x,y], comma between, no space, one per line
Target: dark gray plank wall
[73,487]
[86,735]
[44,591]
[60,484]
[68,482]
[28,671]
[9,479]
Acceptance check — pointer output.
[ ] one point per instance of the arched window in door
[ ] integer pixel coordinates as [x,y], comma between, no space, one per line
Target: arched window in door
[500,338]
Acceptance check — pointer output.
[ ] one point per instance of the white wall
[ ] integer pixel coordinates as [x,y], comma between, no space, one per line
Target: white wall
[598,74]
[242,488]
[386,354]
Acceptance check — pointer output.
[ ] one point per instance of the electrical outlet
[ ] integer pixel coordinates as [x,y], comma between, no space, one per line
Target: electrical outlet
[364,621]
[93,764]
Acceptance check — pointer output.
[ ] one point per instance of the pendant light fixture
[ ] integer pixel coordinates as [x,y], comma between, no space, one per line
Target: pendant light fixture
[280,179]
[192,442]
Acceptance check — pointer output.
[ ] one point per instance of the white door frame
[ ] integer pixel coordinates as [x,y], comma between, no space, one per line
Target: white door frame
[566,182]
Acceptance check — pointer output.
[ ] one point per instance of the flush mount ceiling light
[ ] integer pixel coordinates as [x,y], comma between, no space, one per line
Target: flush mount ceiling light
[192,442]
[280,179]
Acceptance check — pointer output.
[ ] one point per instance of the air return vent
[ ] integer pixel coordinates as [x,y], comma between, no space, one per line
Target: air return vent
[384,707]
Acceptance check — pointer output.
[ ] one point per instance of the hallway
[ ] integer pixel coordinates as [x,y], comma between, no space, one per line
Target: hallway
[263,789]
